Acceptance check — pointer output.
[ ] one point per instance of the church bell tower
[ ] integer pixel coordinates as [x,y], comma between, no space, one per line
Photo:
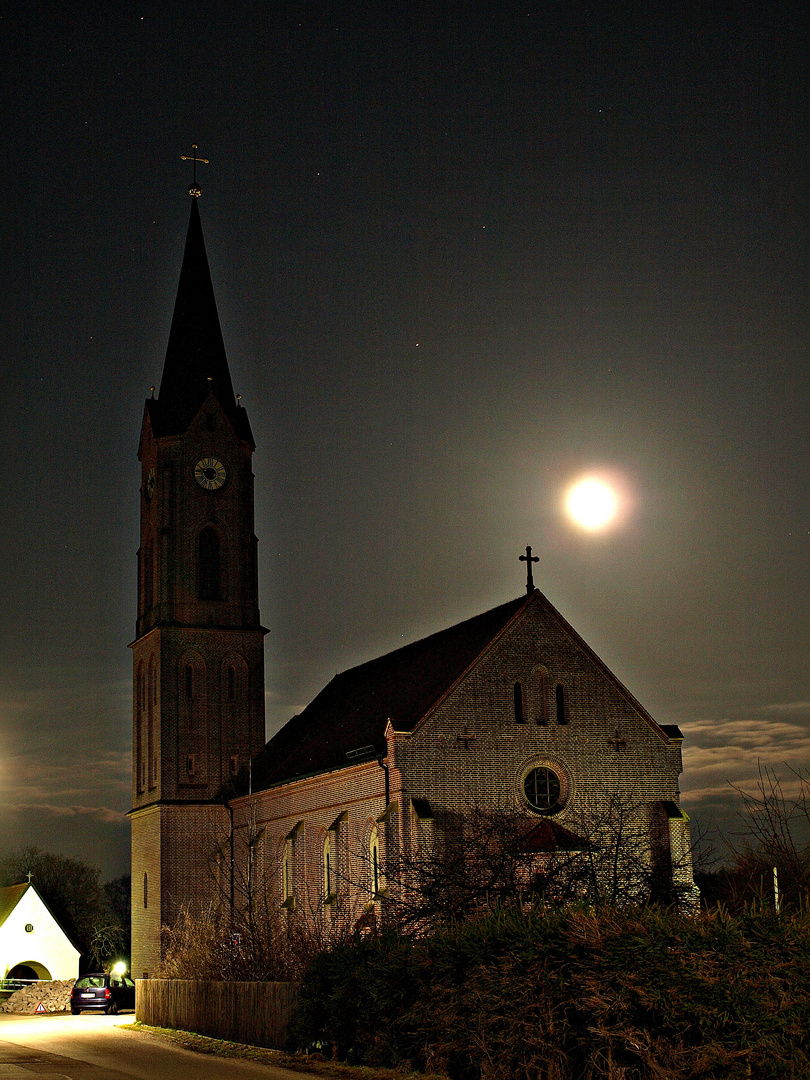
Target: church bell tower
[198,656]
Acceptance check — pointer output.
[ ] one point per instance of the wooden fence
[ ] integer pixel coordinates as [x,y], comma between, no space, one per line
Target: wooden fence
[248,1012]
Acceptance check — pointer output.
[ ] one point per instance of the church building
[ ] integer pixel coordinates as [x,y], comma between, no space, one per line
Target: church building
[509,711]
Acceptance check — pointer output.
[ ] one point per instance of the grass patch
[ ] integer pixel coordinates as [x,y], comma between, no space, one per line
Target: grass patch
[312,1064]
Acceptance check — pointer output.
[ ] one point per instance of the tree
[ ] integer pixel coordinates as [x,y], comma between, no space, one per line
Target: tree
[118,893]
[113,936]
[776,834]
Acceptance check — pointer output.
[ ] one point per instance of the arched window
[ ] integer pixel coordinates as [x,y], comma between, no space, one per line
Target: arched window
[139,733]
[374,861]
[520,714]
[285,873]
[328,869]
[209,566]
[562,704]
[150,721]
[145,890]
[189,682]
[148,576]
[288,867]
[231,684]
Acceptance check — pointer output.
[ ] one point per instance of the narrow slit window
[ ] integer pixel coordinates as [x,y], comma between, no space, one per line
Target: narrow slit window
[189,682]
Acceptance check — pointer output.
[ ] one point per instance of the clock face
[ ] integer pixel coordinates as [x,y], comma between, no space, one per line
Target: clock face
[209,472]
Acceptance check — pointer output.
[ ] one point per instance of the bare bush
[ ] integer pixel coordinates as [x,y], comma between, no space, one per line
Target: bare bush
[776,833]
[245,934]
[613,852]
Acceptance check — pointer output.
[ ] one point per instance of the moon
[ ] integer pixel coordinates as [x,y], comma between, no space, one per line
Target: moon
[592,503]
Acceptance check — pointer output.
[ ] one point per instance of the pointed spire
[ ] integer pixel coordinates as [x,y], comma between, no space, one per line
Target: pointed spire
[196,363]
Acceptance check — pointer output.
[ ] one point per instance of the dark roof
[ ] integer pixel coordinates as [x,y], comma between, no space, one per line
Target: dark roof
[195,363]
[351,712]
[346,722]
[9,898]
[548,835]
[672,731]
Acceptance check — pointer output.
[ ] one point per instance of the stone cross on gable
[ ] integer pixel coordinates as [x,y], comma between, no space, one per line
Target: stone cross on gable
[617,742]
[528,558]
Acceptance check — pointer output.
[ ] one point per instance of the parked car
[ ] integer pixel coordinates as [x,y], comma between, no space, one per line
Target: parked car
[110,993]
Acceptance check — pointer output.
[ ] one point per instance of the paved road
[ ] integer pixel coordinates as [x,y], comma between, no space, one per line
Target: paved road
[95,1047]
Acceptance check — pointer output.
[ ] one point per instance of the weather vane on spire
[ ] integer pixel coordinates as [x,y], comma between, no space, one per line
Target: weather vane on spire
[528,558]
[193,190]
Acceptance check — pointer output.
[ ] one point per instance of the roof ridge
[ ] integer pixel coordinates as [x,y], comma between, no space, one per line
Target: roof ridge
[8,901]
[518,603]
[403,684]
[600,663]
[526,599]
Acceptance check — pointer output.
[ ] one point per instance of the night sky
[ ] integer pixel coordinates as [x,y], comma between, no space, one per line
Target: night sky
[463,254]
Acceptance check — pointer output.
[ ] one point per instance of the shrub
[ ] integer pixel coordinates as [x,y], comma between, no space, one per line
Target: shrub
[561,995]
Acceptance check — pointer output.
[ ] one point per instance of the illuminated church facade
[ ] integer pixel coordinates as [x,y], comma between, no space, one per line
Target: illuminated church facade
[509,711]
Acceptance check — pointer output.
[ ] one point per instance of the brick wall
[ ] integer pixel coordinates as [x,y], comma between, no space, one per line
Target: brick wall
[176,848]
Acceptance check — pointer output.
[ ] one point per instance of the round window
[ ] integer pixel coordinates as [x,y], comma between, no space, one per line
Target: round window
[542,790]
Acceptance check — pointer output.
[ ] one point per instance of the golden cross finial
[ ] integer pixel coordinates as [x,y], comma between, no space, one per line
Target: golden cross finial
[194,190]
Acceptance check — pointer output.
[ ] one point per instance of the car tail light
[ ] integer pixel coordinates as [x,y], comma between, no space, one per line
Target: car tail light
[107,992]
